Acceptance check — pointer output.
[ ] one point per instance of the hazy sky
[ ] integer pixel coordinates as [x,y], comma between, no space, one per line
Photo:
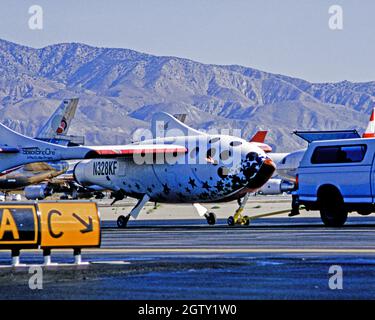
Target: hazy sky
[290,37]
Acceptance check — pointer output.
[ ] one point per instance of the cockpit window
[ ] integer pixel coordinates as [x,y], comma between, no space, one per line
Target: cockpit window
[283,161]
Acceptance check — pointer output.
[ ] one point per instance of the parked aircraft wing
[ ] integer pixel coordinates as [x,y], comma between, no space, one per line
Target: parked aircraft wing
[38,166]
[265,147]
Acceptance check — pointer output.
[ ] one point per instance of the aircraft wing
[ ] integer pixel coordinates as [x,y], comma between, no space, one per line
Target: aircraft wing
[131,150]
[265,147]
[37,166]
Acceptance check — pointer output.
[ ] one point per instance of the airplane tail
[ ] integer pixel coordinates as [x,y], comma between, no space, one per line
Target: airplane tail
[259,136]
[58,124]
[163,123]
[17,149]
[370,131]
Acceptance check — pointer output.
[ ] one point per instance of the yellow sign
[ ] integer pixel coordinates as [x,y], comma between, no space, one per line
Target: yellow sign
[19,226]
[69,224]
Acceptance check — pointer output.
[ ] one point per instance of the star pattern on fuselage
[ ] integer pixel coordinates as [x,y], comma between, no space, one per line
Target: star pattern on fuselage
[206,186]
[192,182]
[220,185]
[166,189]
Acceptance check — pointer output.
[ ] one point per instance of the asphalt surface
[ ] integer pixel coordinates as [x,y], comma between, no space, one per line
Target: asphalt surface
[274,258]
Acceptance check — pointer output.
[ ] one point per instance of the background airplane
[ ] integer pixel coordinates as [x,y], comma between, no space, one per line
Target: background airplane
[55,130]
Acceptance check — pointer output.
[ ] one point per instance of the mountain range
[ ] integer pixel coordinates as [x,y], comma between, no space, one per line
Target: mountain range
[120,89]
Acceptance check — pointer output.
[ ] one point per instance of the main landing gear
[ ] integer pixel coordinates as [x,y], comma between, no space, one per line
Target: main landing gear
[203,212]
[238,218]
[211,218]
[122,221]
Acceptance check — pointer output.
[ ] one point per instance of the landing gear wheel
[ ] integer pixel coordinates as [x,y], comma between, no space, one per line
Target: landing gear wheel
[332,211]
[246,220]
[364,212]
[230,221]
[122,221]
[211,218]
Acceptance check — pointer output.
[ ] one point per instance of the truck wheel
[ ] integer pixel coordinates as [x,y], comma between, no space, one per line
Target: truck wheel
[364,212]
[332,211]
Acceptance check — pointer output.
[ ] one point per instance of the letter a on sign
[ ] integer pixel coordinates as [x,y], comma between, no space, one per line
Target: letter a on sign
[8,225]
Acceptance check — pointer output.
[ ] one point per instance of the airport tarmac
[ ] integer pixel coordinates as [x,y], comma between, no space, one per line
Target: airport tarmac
[274,258]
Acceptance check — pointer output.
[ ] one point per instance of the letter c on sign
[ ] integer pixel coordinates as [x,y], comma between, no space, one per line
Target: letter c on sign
[51,232]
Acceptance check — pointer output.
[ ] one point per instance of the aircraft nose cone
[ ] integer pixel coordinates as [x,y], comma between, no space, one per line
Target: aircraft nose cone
[265,172]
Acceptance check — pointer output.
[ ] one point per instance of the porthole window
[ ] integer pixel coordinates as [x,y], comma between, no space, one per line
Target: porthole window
[235,143]
[194,152]
[211,153]
[223,172]
[225,155]
[213,140]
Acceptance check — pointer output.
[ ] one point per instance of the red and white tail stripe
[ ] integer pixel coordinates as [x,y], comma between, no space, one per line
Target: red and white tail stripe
[370,131]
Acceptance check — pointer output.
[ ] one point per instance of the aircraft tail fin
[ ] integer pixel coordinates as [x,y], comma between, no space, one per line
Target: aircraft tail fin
[181,117]
[58,124]
[164,124]
[370,130]
[259,136]
[17,149]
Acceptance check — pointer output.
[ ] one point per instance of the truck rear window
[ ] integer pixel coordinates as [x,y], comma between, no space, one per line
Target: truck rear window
[339,154]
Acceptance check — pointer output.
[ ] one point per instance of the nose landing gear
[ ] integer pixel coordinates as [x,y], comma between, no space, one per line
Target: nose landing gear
[238,218]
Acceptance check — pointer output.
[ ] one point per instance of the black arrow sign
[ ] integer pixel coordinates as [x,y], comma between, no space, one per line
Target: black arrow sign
[88,226]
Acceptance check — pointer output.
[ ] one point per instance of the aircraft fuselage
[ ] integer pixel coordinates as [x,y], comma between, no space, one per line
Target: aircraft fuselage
[215,168]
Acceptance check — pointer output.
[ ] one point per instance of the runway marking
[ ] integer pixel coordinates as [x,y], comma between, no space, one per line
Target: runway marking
[227,250]
[214,250]
[116,232]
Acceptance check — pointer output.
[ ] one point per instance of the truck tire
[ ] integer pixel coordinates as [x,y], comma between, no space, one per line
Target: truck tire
[364,212]
[332,210]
